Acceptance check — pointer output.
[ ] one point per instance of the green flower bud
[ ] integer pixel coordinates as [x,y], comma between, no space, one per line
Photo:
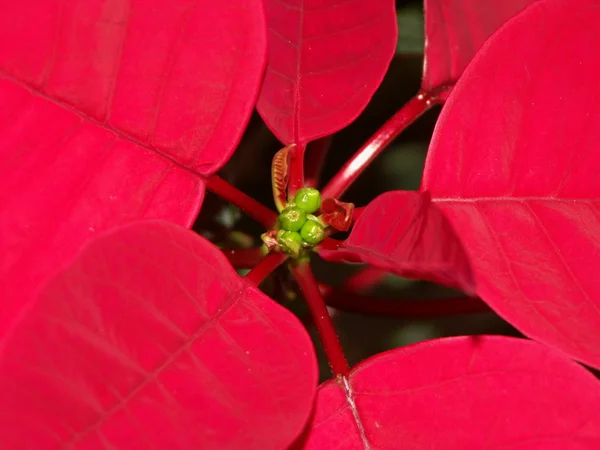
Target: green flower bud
[312,232]
[308,199]
[291,242]
[292,218]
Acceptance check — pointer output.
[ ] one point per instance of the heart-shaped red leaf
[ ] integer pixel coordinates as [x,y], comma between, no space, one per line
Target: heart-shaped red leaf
[514,165]
[102,102]
[460,393]
[326,59]
[455,30]
[151,340]
[404,233]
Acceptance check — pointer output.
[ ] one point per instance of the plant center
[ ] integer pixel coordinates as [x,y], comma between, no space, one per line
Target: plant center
[298,229]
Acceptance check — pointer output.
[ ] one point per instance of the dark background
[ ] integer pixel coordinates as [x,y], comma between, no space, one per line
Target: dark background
[399,167]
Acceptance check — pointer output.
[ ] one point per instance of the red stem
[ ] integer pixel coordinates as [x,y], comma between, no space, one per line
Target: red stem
[329,338]
[410,112]
[314,160]
[264,268]
[377,306]
[244,258]
[364,279]
[296,176]
[254,209]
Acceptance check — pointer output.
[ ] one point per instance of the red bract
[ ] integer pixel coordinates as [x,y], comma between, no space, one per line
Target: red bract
[118,110]
[326,59]
[404,233]
[151,340]
[113,111]
[514,166]
[460,393]
[454,32]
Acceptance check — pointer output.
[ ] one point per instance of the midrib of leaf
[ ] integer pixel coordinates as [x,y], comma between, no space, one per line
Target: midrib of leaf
[95,122]
[512,199]
[344,383]
[296,117]
[234,298]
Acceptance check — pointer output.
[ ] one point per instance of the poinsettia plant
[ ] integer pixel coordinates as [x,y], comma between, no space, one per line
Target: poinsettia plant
[121,328]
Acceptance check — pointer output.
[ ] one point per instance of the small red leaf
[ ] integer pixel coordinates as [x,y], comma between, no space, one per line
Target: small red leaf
[151,340]
[402,232]
[93,94]
[280,167]
[460,393]
[269,238]
[337,214]
[326,59]
[514,165]
[455,30]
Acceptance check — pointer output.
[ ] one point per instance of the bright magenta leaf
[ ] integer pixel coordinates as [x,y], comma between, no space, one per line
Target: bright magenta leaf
[404,233]
[326,59]
[460,393]
[102,103]
[455,30]
[151,340]
[514,165]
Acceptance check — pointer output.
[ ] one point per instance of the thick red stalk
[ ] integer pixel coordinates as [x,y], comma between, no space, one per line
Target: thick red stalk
[254,209]
[405,309]
[296,176]
[410,112]
[244,258]
[329,338]
[314,160]
[264,268]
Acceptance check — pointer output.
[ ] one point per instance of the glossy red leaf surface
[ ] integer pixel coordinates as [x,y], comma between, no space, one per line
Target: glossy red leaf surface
[113,110]
[326,59]
[455,30]
[404,233]
[151,340]
[514,165]
[460,393]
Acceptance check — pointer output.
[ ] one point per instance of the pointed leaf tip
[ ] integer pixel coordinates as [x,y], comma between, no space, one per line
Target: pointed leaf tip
[404,233]
[326,59]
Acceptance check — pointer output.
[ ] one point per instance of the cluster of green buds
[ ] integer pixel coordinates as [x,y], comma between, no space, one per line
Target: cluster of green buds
[297,227]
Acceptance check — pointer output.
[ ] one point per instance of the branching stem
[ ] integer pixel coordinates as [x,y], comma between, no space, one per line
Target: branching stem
[264,268]
[364,279]
[244,258]
[254,209]
[405,309]
[329,338]
[405,116]
[314,160]
[296,176]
